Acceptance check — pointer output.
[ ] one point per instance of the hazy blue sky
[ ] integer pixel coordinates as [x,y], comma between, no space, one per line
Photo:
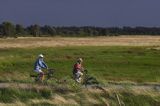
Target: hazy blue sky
[81,12]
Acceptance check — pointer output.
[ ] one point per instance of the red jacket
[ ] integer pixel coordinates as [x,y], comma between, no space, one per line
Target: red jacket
[77,67]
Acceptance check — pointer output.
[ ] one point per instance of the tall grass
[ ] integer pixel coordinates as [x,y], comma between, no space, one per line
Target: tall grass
[9,95]
[34,97]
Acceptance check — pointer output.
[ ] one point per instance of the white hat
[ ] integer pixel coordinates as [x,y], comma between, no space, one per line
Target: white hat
[80,60]
[40,55]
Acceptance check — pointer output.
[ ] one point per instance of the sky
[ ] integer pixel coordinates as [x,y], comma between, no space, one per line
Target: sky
[103,13]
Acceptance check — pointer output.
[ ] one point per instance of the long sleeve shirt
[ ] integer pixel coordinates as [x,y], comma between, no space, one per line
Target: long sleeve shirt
[40,64]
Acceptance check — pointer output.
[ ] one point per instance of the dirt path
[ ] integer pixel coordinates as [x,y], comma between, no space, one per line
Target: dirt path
[23,42]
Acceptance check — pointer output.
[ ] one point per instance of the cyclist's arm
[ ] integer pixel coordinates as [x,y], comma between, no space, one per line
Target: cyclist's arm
[42,64]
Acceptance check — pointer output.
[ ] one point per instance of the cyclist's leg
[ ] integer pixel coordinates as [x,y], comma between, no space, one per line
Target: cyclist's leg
[74,75]
[78,76]
[40,74]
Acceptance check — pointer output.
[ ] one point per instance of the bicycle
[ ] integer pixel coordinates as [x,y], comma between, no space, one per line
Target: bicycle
[86,79]
[47,76]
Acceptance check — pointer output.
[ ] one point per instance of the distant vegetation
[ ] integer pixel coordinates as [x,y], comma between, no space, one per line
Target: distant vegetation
[7,29]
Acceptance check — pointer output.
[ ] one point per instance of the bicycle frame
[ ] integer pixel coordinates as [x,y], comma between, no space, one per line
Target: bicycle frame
[48,74]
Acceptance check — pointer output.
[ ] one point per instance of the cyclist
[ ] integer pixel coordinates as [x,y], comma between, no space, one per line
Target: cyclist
[39,65]
[78,70]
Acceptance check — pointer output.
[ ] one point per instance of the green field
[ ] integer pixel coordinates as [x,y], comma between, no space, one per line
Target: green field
[137,64]
[106,63]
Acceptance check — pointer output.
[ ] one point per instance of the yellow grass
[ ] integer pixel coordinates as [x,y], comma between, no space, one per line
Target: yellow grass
[23,42]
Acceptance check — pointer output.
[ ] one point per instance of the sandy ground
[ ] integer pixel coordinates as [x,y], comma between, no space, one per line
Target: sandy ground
[23,42]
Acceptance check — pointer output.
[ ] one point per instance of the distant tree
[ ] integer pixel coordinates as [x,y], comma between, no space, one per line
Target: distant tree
[19,30]
[1,30]
[95,31]
[48,30]
[34,30]
[8,29]
[87,30]
[81,32]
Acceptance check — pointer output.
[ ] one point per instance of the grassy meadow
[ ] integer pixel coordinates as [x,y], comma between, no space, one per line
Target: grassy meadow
[137,64]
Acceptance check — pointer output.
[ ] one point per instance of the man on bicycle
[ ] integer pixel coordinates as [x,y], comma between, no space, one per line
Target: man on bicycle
[39,65]
[77,70]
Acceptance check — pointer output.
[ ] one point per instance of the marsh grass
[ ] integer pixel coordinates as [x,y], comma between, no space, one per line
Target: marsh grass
[32,97]
[138,100]
[12,95]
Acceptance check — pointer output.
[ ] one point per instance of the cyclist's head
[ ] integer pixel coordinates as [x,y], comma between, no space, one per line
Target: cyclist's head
[40,56]
[80,60]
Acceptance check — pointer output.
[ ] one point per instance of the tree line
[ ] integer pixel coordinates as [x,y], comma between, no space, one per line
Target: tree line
[8,29]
